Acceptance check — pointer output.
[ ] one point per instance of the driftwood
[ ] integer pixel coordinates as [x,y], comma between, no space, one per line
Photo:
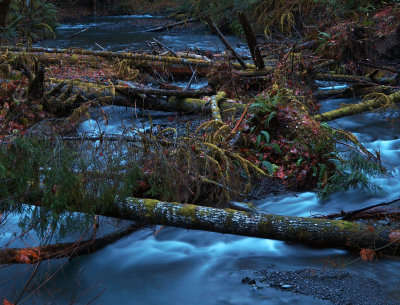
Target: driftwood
[170,26]
[376,103]
[224,41]
[33,255]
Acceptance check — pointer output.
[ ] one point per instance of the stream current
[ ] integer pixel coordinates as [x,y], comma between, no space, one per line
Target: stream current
[178,266]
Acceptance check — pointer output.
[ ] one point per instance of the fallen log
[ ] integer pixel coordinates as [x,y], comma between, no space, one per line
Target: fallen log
[161,92]
[357,90]
[356,78]
[139,58]
[215,111]
[122,97]
[33,255]
[375,103]
[111,55]
[309,231]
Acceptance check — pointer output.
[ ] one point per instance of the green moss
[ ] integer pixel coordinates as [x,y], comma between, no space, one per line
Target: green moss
[188,211]
[265,226]
[345,225]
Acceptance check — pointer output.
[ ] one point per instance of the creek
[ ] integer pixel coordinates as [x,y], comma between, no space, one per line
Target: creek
[178,266]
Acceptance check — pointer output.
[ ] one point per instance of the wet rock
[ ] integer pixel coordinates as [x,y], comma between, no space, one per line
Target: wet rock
[247,280]
[338,287]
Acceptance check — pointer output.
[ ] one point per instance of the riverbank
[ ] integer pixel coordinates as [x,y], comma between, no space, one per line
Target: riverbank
[337,287]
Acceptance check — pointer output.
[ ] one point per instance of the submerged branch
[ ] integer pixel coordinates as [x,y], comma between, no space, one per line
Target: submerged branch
[32,255]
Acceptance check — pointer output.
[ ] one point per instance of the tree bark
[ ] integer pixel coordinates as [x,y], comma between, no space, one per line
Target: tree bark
[251,41]
[308,231]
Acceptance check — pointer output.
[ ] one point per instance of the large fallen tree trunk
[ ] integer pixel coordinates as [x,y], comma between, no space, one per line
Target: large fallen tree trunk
[111,55]
[309,231]
[376,103]
[140,58]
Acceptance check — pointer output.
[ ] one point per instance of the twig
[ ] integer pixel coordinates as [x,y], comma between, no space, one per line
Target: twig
[191,80]
[165,47]
[100,47]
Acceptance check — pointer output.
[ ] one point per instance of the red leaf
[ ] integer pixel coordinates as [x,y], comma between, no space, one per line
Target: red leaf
[367,254]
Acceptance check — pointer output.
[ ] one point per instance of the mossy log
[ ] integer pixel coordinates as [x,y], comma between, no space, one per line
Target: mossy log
[376,103]
[109,94]
[161,92]
[110,55]
[215,99]
[308,231]
[357,90]
[356,78]
[141,58]
[33,255]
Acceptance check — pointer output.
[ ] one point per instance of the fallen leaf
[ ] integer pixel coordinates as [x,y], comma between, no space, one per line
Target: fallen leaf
[367,254]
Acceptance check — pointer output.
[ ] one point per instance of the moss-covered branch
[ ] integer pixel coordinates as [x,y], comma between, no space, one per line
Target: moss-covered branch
[379,100]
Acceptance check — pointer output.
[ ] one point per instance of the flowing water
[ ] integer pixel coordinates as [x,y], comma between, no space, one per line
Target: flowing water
[178,266]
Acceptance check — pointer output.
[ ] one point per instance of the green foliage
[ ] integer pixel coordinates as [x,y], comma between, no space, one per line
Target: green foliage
[224,11]
[36,19]
[302,152]
[59,181]
[354,172]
